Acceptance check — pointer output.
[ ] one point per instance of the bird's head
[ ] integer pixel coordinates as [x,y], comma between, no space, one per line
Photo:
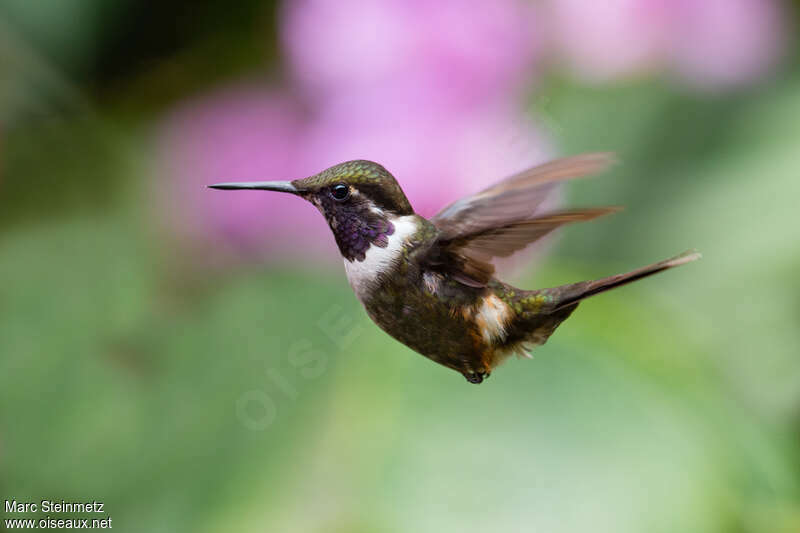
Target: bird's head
[359,199]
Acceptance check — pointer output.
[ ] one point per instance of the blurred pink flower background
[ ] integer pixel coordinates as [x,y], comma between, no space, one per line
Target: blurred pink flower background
[713,44]
[435,91]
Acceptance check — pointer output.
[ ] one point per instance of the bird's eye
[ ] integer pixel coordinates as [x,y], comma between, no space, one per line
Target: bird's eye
[340,192]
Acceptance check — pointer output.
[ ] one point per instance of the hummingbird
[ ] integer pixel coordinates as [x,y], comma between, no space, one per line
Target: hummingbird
[430,283]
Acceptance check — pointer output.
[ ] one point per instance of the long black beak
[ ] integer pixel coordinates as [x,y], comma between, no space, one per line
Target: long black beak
[281,186]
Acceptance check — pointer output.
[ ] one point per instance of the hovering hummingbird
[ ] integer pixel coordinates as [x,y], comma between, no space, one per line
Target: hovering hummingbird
[429,283]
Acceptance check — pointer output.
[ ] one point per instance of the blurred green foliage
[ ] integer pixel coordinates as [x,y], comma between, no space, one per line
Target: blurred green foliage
[125,368]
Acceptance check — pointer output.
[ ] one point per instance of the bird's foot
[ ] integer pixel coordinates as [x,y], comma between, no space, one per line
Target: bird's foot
[476,377]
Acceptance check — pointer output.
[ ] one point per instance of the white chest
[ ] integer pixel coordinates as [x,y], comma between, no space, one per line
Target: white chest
[364,274]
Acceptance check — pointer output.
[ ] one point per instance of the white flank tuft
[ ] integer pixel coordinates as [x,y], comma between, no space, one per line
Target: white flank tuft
[492,317]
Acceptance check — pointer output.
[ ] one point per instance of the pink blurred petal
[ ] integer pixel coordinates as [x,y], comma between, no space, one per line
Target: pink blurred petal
[238,134]
[438,154]
[479,49]
[710,43]
[719,43]
[605,40]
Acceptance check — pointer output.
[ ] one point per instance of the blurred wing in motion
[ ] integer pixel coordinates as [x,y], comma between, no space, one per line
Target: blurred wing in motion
[501,219]
[516,197]
[467,258]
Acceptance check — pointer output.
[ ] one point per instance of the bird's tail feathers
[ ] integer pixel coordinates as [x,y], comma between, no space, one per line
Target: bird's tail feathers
[572,294]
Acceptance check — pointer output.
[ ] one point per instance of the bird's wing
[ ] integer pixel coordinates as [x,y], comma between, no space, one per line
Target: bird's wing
[502,219]
[516,197]
[467,258]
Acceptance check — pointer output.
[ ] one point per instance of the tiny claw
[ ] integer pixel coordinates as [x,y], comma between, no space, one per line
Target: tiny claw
[474,377]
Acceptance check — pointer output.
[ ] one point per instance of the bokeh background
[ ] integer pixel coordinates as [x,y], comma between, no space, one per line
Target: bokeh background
[197,361]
